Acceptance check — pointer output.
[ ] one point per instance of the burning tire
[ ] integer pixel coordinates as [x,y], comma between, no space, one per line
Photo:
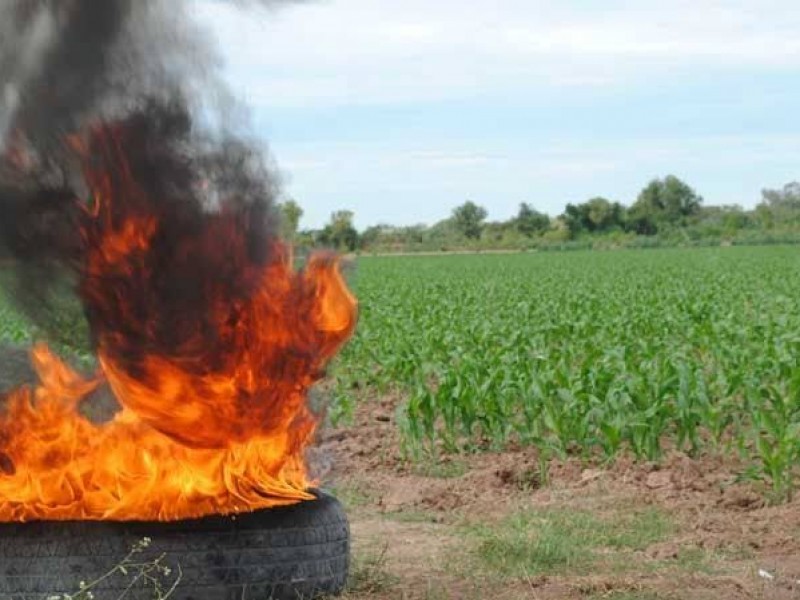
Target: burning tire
[298,551]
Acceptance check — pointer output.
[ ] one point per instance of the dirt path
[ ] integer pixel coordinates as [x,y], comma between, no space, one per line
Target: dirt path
[485,527]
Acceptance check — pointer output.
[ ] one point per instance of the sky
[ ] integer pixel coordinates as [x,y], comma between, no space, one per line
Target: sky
[400,110]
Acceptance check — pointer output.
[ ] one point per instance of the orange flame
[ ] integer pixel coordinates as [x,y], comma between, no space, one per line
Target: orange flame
[201,430]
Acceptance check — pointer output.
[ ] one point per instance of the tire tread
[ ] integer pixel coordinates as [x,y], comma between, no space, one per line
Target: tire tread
[284,553]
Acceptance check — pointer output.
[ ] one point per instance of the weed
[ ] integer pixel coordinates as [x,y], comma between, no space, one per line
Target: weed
[530,543]
[368,574]
[152,574]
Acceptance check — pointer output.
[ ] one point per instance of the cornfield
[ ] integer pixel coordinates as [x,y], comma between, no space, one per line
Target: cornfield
[587,353]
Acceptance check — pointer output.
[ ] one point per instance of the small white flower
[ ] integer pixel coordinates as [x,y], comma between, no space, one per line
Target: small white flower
[765,575]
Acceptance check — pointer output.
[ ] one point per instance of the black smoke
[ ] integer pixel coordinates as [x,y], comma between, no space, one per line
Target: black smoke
[68,66]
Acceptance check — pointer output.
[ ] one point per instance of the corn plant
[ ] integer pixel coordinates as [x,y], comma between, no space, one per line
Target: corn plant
[594,353]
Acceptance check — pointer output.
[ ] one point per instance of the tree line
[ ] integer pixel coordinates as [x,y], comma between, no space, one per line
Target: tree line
[667,210]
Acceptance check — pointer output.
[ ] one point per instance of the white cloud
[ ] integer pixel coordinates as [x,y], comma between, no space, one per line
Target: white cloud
[383,51]
[409,53]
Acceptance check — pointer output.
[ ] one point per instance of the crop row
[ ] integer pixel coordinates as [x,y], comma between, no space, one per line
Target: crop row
[589,353]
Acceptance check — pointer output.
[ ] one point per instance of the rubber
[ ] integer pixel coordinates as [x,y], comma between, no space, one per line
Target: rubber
[287,553]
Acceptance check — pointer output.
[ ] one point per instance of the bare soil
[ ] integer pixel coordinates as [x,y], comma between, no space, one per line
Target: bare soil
[411,523]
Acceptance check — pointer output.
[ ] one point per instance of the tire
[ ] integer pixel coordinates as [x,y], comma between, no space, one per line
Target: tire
[286,553]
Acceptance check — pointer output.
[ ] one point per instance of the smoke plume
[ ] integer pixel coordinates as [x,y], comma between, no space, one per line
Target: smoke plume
[80,79]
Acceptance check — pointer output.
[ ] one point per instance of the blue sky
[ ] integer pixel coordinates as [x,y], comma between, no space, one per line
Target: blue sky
[401,110]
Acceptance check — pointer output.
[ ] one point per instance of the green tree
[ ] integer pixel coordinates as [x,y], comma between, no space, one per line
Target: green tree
[373,236]
[604,215]
[787,198]
[529,221]
[594,216]
[291,213]
[469,218]
[444,234]
[576,218]
[667,201]
[340,232]
[780,207]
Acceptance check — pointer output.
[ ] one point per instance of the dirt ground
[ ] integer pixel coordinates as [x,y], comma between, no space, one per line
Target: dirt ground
[485,526]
